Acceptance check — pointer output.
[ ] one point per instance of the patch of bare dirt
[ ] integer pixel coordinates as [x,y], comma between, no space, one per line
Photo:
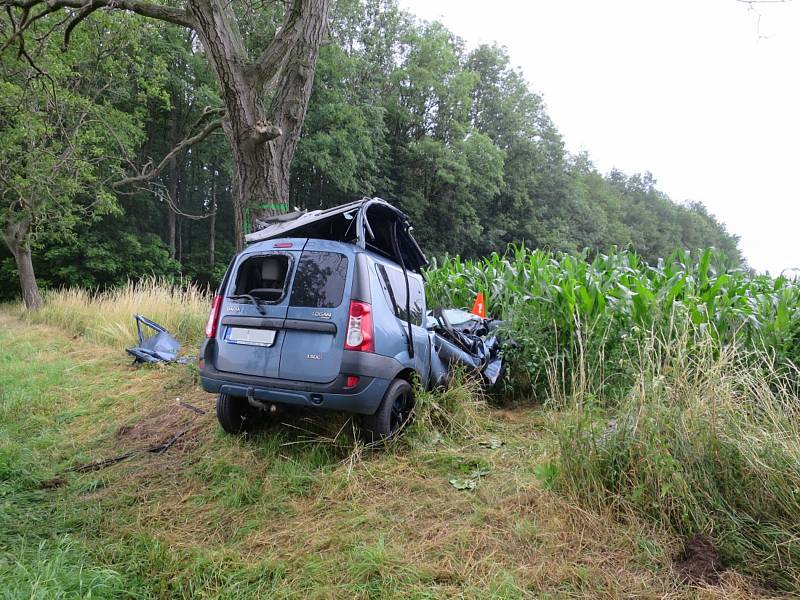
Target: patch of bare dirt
[156,426]
[509,415]
[700,561]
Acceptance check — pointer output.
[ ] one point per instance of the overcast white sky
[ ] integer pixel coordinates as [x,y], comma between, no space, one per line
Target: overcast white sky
[682,88]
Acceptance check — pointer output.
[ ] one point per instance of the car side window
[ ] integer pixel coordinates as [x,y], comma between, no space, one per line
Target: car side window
[394,288]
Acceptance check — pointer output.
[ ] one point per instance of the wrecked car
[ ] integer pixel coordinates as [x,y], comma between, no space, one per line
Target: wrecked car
[323,309]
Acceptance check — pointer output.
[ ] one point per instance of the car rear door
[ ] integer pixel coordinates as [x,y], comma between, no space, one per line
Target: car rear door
[249,339]
[316,319]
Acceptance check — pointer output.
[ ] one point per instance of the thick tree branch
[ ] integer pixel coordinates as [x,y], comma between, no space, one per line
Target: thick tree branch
[274,54]
[169,14]
[151,172]
[207,111]
[80,16]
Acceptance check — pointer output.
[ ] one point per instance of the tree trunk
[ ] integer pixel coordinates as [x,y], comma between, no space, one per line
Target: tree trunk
[15,236]
[180,242]
[27,278]
[171,201]
[180,223]
[172,191]
[249,188]
[212,225]
[292,92]
[262,139]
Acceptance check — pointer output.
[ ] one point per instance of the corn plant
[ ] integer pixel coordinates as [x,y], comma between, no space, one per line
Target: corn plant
[577,319]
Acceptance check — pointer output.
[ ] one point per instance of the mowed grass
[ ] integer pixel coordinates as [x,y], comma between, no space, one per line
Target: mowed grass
[282,514]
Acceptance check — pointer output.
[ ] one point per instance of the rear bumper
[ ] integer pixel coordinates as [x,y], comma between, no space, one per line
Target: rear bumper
[364,400]
[375,373]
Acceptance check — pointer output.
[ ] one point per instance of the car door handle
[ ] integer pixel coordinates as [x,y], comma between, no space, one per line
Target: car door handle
[261,322]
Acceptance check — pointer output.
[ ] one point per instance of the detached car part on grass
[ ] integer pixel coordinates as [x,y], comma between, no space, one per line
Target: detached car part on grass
[326,310]
[156,347]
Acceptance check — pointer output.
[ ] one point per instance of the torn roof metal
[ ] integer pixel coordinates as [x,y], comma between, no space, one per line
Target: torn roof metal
[371,223]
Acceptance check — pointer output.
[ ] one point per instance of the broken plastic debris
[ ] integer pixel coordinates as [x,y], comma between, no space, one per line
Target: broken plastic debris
[157,347]
[463,484]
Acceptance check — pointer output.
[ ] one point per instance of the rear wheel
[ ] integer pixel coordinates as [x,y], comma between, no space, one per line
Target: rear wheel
[393,413]
[235,414]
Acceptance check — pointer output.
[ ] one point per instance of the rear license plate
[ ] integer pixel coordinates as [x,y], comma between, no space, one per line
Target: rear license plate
[251,337]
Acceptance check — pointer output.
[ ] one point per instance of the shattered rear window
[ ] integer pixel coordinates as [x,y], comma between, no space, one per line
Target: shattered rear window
[319,280]
[264,277]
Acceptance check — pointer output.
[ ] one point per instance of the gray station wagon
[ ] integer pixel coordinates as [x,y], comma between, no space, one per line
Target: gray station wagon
[323,309]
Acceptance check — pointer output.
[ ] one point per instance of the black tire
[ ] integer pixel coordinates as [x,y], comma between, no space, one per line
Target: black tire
[392,415]
[235,414]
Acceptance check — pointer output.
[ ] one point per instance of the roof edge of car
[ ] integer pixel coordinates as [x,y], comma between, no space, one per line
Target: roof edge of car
[284,225]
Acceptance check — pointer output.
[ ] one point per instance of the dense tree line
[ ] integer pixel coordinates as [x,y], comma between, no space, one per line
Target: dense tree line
[399,109]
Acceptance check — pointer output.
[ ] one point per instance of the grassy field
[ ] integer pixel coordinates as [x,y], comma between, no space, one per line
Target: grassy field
[286,513]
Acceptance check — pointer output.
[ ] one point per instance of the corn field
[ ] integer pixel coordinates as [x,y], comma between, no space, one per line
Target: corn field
[576,321]
[677,387]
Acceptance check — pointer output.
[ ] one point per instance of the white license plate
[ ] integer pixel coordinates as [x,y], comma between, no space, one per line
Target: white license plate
[251,337]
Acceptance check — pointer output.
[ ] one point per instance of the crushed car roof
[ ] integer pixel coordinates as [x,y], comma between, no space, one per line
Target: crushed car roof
[371,223]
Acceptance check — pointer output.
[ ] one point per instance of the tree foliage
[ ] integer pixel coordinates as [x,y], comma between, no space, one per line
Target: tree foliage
[69,121]
[399,109]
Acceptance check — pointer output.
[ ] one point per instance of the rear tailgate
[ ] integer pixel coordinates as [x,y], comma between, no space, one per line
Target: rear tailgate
[316,319]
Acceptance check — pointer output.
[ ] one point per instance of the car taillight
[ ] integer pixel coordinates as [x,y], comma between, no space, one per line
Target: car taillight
[359,328]
[213,317]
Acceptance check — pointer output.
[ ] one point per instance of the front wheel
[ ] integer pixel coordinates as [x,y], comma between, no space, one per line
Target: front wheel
[393,413]
[235,414]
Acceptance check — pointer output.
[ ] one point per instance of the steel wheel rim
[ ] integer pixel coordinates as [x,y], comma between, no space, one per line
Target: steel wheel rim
[400,412]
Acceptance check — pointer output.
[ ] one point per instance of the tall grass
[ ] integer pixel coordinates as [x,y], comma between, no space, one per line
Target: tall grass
[677,383]
[455,412]
[701,444]
[107,316]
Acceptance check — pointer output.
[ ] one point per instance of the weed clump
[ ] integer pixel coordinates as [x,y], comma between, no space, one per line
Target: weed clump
[457,411]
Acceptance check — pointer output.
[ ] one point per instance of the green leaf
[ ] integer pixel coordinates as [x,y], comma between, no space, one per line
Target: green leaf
[463,484]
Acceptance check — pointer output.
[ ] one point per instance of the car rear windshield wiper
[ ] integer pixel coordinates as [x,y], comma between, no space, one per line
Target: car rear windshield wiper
[256,301]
